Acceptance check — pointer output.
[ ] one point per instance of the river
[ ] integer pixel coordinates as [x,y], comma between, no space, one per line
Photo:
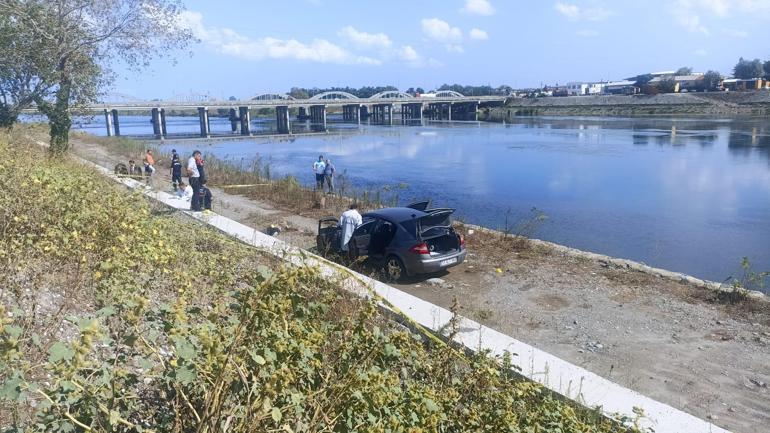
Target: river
[689,195]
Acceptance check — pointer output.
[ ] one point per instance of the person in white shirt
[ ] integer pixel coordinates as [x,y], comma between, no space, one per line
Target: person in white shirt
[349,220]
[194,179]
[184,191]
[319,167]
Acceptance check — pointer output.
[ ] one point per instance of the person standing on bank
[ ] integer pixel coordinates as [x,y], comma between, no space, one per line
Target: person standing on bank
[194,180]
[329,175]
[149,165]
[199,163]
[349,220]
[318,168]
[176,169]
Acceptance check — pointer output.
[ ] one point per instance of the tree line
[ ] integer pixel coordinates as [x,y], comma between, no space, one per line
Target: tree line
[368,91]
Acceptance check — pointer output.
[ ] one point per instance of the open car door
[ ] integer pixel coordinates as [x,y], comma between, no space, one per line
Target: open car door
[362,236]
[419,205]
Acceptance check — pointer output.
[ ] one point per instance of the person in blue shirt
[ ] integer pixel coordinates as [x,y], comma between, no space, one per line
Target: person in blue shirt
[329,175]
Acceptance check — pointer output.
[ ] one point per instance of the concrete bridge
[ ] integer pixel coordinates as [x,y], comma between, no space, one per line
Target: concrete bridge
[380,109]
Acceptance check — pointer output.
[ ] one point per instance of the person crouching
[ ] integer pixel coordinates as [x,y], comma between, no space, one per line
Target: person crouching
[204,196]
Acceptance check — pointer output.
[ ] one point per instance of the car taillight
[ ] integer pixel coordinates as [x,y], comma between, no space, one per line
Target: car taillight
[462,240]
[420,249]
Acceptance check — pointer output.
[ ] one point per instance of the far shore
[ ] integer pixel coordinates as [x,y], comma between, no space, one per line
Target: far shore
[750,103]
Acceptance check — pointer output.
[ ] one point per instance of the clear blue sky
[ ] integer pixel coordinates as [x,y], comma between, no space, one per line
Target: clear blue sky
[257,46]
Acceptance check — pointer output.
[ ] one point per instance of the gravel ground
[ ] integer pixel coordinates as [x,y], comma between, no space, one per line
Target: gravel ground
[668,340]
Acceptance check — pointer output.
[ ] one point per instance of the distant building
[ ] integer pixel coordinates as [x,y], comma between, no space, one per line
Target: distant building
[691,83]
[579,88]
[738,84]
[625,87]
[682,83]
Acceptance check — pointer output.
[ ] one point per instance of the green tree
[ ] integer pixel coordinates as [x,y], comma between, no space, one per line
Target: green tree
[65,48]
[747,69]
[667,85]
[767,69]
[641,80]
[711,80]
[684,70]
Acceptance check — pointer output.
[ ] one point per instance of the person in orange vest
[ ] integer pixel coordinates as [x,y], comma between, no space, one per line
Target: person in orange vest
[149,163]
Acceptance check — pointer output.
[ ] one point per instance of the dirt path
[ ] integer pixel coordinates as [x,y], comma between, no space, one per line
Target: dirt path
[668,340]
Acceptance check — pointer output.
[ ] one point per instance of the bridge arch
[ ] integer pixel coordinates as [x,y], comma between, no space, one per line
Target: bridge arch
[449,94]
[271,97]
[190,97]
[333,95]
[391,94]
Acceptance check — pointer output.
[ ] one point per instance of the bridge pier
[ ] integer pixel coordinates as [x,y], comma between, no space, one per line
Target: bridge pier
[318,116]
[466,111]
[440,111]
[282,119]
[302,114]
[115,122]
[382,114]
[158,122]
[411,112]
[108,121]
[203,118]
[245,118]
[163,121]
[351,113]
[233,120]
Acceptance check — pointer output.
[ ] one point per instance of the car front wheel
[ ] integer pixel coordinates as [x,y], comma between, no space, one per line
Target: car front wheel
[394,269]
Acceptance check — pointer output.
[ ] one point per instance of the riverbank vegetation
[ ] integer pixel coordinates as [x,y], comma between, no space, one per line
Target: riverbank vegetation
[120,316]
[254,178]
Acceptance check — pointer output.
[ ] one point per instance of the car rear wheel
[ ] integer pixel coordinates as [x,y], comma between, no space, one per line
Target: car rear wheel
[394,269]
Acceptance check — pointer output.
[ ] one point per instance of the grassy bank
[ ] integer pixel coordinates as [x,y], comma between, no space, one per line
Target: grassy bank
[121,316]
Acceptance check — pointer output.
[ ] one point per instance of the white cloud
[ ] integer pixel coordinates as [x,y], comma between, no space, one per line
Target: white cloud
[587,33]
[725,8]
[570,11]
[408,54]
[228,41]
[574,12]
[691,22]
[412,58]
[700,52]
[365,40]
[736,33]
[440,30]
[478,34]
[478,7]
[689,13]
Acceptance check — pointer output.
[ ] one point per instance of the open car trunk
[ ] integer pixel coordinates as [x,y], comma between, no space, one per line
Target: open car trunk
[435,229]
